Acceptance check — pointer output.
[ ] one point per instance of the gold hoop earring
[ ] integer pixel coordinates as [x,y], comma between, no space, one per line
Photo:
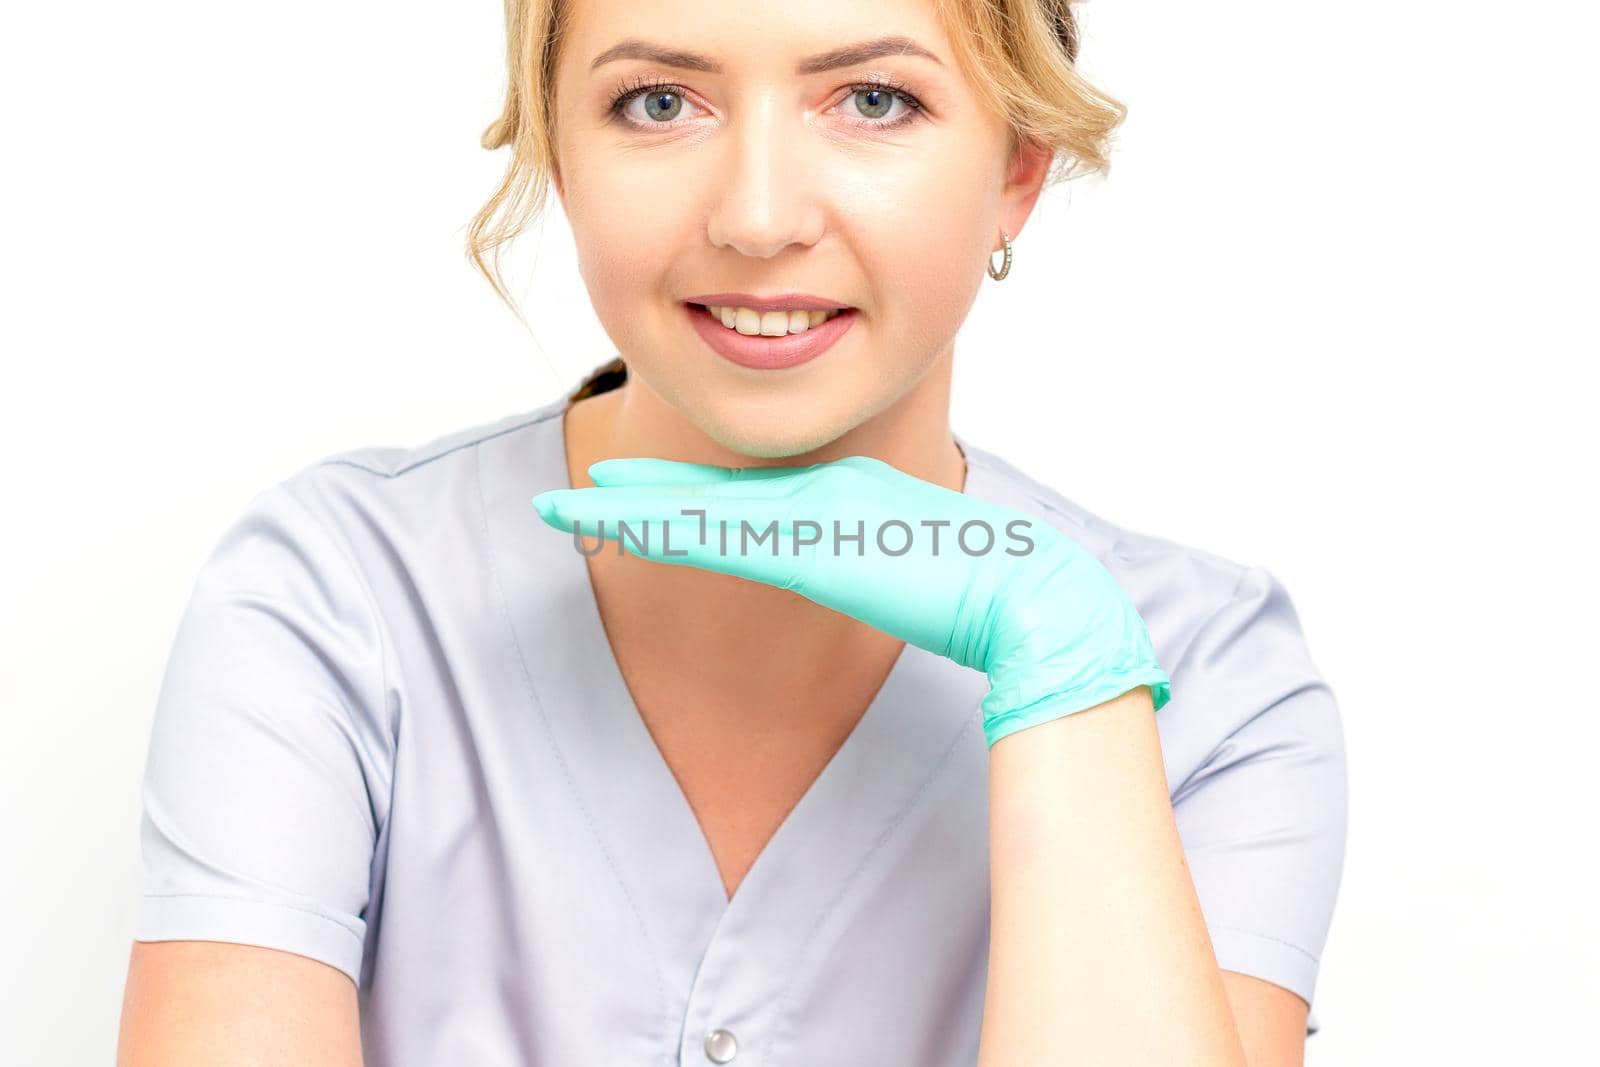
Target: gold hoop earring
[1005,264]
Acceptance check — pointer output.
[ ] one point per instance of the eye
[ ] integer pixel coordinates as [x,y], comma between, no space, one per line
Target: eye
[662,104]
[874,100]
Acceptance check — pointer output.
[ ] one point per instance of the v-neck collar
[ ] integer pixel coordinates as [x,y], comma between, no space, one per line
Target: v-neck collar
[926,708]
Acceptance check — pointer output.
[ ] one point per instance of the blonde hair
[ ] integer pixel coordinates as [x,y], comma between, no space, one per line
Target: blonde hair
[1019,55]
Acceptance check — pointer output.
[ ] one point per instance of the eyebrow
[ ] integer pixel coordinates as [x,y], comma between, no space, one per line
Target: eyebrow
[848,56]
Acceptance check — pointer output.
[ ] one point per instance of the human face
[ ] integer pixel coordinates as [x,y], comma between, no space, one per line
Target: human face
[750,170]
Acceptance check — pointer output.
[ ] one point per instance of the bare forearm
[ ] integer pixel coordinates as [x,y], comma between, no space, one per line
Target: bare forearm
[1098,950]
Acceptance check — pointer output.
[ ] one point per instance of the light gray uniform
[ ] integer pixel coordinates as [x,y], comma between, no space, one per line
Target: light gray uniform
[392,736]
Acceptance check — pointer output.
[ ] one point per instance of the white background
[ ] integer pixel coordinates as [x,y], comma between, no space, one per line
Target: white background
[1332,312]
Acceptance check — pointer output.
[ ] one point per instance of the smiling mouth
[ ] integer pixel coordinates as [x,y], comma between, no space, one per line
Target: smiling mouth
[752,323]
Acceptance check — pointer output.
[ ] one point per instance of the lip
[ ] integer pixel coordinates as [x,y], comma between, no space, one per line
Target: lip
[769,353]
[775,302]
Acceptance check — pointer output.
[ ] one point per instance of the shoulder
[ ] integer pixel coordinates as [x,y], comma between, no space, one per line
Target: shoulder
[393,483]
[1227,633]
[348,536]
[1174,585]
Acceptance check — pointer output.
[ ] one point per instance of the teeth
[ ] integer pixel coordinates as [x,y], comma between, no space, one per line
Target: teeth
[753,323]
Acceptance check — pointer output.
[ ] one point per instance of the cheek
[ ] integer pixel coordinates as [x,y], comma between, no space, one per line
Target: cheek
[920,233]
[625,237]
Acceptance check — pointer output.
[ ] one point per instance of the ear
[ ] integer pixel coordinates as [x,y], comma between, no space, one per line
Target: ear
[1025,175]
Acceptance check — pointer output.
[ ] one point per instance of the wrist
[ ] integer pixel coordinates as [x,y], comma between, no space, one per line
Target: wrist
[1002,719]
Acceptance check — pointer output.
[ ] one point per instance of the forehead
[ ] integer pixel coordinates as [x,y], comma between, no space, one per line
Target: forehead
[766,36]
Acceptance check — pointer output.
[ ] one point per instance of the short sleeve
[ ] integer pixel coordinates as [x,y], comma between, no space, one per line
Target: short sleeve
[266,779]
[1263,819]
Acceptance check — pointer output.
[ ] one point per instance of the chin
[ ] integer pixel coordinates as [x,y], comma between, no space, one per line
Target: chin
[761,433]
[808,415]
[760,442]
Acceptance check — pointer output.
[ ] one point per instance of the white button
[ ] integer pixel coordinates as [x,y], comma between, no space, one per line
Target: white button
[720,1046]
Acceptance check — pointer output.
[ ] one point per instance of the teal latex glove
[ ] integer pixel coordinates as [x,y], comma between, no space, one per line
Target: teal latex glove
[1036,612]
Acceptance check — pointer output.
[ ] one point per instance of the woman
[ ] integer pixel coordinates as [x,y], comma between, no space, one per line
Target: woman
[428,785]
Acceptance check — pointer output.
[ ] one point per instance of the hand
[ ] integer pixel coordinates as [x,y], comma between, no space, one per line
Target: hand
[989,587]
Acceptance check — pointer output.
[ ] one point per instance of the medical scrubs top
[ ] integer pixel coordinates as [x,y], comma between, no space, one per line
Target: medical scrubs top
[392,736]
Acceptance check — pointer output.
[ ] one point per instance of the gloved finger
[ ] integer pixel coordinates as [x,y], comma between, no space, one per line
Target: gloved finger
[741,532]
[649,470]
[751,498]
[702,507]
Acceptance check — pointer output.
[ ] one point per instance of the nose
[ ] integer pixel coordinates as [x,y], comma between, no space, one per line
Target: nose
[766,198]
